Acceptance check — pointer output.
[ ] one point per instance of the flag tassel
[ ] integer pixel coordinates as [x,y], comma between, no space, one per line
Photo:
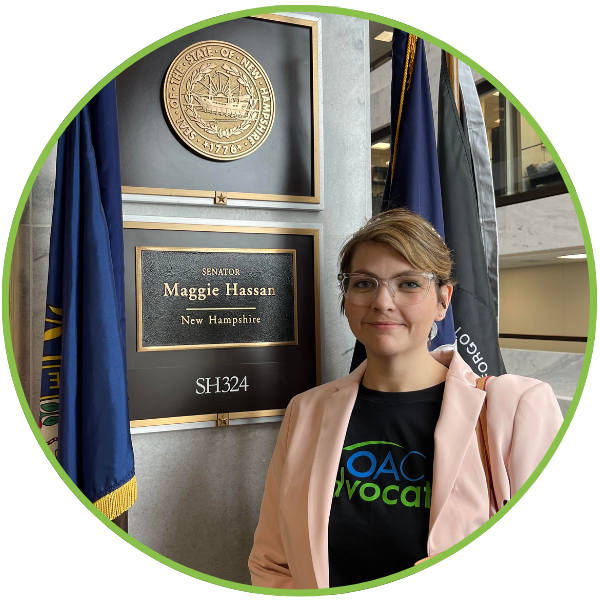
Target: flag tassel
[118,501]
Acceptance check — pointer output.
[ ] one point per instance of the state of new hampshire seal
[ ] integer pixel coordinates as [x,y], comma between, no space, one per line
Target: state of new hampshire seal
[219,100]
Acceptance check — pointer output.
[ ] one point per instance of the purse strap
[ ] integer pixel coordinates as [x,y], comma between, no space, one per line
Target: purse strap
[482,440]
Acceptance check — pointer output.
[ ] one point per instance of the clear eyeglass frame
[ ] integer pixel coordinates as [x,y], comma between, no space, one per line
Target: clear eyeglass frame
[365,298]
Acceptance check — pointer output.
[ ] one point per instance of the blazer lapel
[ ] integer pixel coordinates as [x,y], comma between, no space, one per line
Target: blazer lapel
[461,407]
[334,423]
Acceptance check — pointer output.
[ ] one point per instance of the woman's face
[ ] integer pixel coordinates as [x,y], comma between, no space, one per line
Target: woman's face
[386,327]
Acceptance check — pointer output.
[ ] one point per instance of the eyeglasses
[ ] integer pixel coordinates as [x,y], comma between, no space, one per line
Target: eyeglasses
[361,289]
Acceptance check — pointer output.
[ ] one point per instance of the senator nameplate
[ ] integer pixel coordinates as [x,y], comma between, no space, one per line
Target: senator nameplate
[219,100]
[191,298]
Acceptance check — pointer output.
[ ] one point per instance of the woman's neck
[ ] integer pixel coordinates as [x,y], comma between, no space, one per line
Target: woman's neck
[403,373]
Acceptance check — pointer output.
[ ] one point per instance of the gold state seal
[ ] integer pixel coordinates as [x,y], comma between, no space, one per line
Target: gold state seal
[219,100]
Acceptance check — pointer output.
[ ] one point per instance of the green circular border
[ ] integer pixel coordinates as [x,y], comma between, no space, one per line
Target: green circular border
[229,17]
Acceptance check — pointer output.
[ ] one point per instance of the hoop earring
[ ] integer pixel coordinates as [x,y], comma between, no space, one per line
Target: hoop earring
[433,332]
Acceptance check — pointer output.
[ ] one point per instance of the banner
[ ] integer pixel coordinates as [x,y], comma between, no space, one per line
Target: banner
[84,413]
[474,306]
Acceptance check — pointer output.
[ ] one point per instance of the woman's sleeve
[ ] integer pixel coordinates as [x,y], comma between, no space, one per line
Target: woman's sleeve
[268,562]
[536,423]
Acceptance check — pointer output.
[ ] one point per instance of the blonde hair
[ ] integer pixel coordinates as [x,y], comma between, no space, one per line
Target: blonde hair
[409,234]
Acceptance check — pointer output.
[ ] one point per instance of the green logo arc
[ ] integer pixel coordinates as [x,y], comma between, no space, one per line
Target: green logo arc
[368,443]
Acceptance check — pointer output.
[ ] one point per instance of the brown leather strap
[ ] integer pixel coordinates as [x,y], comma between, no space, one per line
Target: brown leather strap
[482,440]
[481,381]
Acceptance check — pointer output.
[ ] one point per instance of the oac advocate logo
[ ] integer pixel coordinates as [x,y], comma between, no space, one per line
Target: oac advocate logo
[219,100]
[394,481]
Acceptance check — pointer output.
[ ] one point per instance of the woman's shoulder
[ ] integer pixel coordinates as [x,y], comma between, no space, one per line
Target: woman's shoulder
[313,394]
[522,408]
[510,393]
[515,384]
[319,392]
[315,397]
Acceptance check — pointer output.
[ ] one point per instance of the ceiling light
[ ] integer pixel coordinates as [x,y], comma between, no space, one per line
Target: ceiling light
[573,256]
[381,146]
[497,121]
[387,163]
[496,93]
[385,36]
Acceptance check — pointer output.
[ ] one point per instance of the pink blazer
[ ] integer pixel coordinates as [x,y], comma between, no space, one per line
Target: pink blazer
[291,540]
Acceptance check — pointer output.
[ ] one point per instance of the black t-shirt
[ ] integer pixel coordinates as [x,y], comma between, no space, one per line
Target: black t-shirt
[379,519]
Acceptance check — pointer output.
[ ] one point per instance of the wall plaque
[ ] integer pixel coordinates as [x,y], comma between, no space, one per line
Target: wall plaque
[215,297]
[181,372]
[219,100]
[192,107]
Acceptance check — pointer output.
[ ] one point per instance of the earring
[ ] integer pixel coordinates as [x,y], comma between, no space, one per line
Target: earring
[434,331]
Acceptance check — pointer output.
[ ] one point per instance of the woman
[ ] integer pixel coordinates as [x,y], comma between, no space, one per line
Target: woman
[384,467]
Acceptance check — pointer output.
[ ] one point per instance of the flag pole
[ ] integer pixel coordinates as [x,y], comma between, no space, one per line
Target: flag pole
[452,62]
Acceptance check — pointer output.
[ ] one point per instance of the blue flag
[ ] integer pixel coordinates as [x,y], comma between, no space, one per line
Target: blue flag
[84,413]
[413,179]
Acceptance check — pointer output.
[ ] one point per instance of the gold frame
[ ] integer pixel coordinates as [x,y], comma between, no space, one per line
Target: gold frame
[314,233]
[250,414]
[138,294]
[315,199]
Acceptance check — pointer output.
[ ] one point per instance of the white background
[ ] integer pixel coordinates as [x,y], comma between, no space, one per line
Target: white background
[52,53]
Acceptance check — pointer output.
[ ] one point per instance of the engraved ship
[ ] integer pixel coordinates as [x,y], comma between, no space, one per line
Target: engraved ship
[228,106]
[222,100]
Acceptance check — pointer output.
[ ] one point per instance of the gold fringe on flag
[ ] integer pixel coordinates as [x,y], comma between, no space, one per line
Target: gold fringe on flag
[409,61]
[117,502]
